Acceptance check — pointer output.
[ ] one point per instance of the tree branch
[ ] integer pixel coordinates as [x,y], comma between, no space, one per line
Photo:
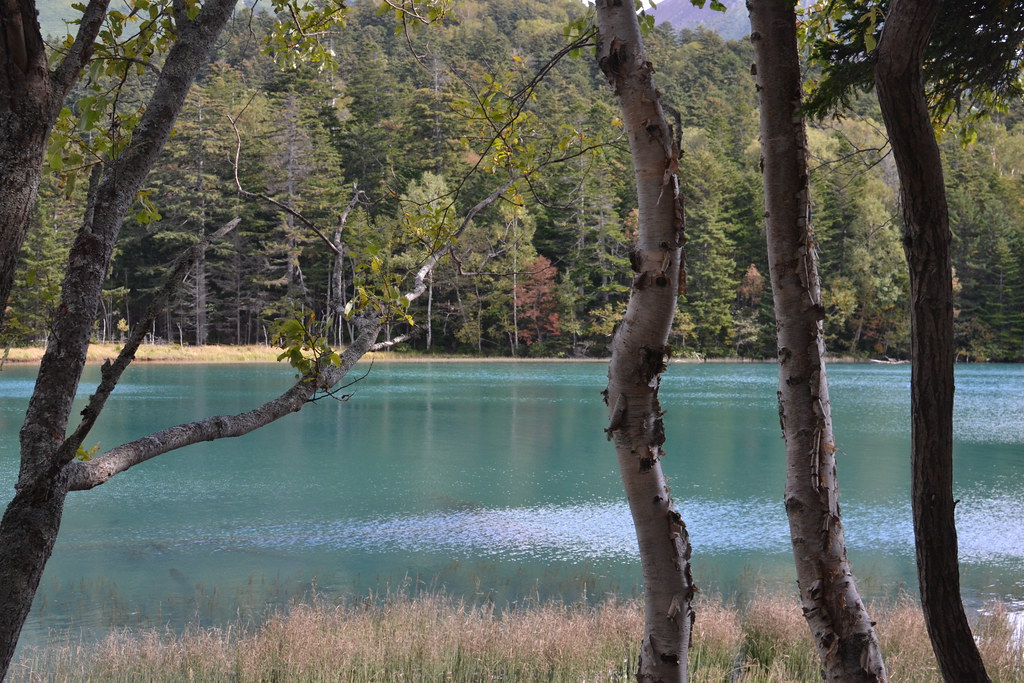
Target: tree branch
[395,341]
[66,74]
[47,416]
[358,196]
[420,282]
[281,205]
[87,475]
[111,372]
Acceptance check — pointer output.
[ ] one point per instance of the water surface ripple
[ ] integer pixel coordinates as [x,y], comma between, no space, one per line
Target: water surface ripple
[494,480]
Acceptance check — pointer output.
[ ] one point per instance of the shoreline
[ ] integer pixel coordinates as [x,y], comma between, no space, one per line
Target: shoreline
[215,353]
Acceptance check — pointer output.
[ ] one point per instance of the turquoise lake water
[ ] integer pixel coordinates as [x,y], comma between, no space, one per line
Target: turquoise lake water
[493,481]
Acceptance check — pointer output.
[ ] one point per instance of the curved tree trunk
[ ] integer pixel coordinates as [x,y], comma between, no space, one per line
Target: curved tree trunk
[27,113]
[926,240]
[639,349]
[29,527]
[30,98]
[842,630]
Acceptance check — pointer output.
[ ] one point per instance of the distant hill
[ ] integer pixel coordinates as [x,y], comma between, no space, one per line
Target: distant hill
[732,24]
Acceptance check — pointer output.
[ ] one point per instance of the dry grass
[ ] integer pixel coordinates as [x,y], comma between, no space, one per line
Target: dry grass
[215,353]
[166,353]
[438,638]
[427,638]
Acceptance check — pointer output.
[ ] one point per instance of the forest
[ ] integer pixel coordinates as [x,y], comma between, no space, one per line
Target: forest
[402,135]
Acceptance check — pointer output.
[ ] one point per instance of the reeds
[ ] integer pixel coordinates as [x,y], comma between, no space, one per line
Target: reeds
[433,637]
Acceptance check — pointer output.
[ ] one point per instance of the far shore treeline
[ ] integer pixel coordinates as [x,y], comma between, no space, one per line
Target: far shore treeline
[548,273]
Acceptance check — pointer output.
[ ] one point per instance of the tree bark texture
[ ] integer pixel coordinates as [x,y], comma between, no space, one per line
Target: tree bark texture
[31,96]
[926,240]
[842,630]
[640,350]
[28,531]
[29,527]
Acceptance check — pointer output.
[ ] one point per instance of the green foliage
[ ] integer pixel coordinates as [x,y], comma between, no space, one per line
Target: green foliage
[966,79]
[300,34]
[410,132]
[304,344]
[715,5]
[129,47]
[86,455]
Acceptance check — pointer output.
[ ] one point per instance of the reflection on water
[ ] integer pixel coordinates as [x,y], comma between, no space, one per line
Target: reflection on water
[494,480]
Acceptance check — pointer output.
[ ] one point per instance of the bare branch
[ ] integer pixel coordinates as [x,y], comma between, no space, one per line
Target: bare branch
[409,10]
[259,195]
[395,341]
[132,60]
[358,197]
[333,392]
[420,282]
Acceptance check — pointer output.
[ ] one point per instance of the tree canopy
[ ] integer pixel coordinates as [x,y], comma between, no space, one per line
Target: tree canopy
[390,123]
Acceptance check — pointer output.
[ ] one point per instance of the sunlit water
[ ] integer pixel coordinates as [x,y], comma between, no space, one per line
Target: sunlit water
[493,481]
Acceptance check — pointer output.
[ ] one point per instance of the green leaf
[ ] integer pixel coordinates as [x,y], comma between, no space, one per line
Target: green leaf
[869,41]
[86,455]
[646,22]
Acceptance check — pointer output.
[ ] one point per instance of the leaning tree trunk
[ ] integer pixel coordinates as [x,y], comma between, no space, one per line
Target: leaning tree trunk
[30,524]
[926,240]
[30,98]
[842,630]
[640,348]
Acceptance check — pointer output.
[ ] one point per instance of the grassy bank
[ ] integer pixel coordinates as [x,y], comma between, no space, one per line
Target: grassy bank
[214,353]
[259,353]
[436,638]
[165,353]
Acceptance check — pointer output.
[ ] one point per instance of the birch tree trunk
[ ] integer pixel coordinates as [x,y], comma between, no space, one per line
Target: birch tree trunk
[842,630]
[640,349]
[926,241]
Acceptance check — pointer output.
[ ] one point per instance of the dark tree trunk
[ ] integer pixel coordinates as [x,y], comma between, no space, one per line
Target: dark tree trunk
[640,349]
[31,96]
[27,103]
[202,327]
[926,240]
[29,527]
[30,524]
[842,630]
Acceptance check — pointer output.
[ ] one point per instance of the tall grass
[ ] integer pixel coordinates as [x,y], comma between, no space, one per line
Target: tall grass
[438,638]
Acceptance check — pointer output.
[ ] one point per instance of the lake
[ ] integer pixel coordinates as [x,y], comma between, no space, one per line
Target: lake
[493,481]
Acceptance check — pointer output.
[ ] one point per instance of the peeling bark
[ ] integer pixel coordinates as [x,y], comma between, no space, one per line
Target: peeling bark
[842,630]
[926,241]
[640,350]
